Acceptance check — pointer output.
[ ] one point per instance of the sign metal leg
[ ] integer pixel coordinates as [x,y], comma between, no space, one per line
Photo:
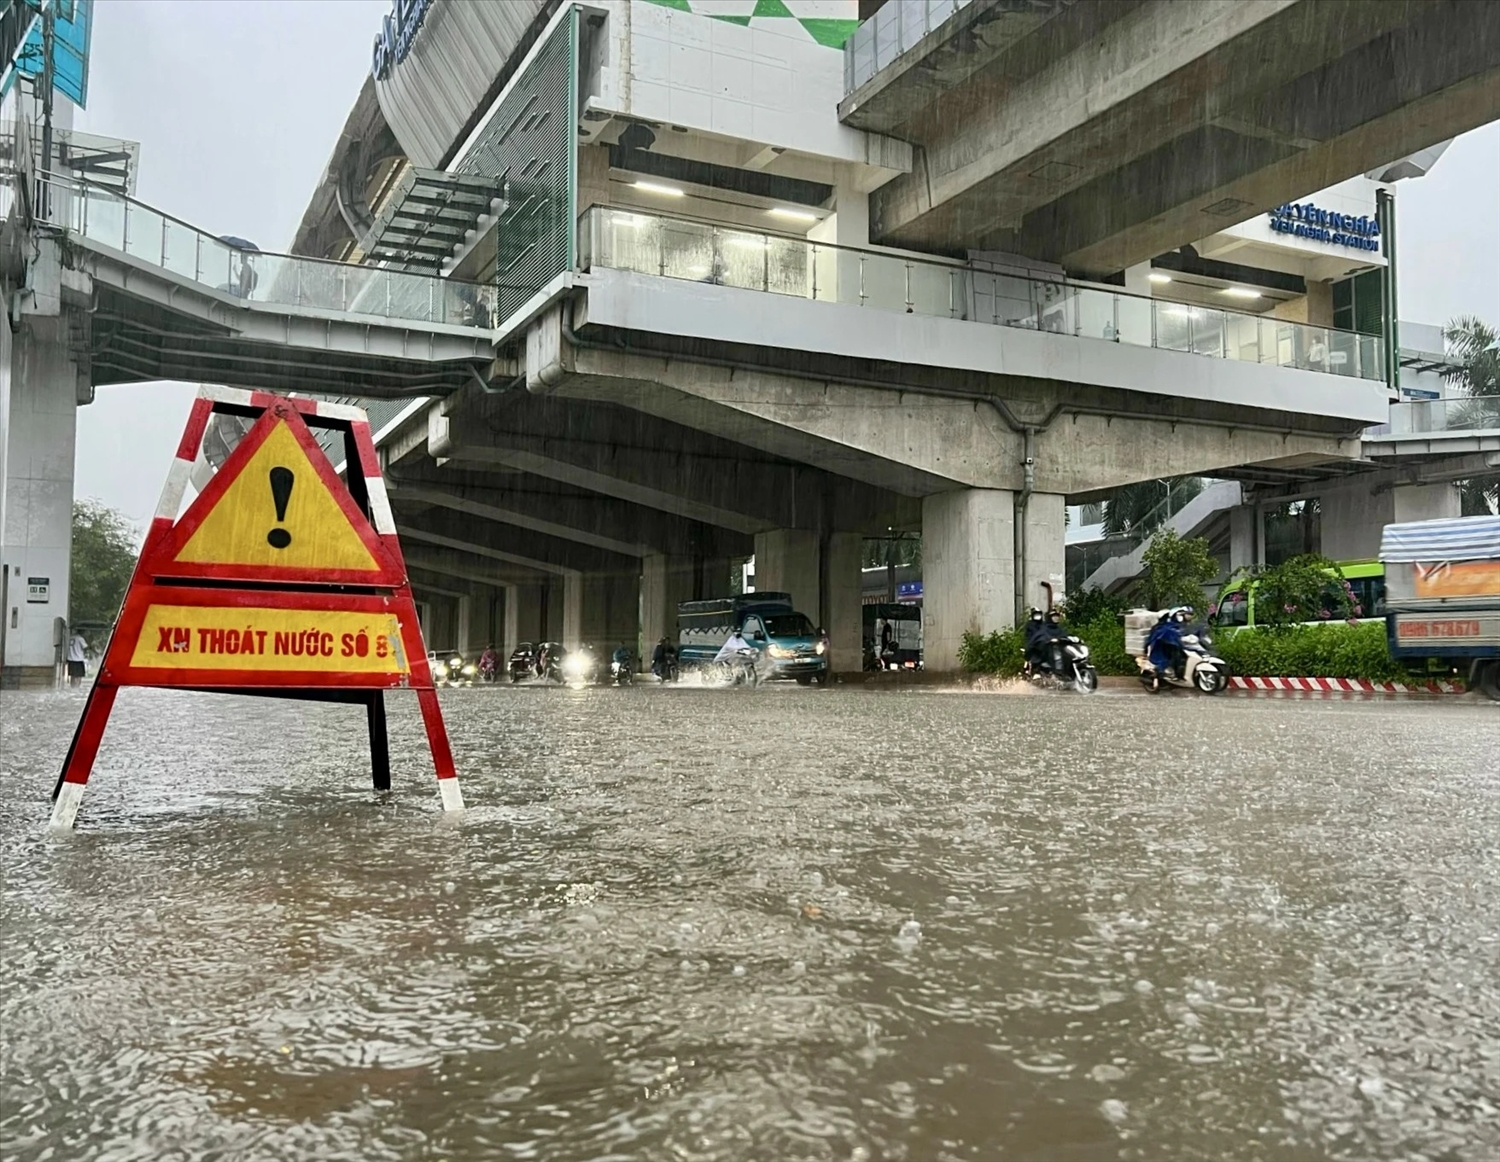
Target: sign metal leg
[68,793]
[380,747]
[442,757]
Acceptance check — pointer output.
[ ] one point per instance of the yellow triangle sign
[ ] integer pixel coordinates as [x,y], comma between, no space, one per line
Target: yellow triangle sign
[275,510]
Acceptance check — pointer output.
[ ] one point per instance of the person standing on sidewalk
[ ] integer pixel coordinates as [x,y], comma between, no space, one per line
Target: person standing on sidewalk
[77,655]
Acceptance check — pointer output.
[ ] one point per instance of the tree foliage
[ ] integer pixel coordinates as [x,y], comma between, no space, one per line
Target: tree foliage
[1136,509]
[1305,588]
[1176,570]
[104,553]
[1475,348]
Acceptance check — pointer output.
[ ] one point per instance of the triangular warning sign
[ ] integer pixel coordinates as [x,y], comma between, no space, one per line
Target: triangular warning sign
[275,511]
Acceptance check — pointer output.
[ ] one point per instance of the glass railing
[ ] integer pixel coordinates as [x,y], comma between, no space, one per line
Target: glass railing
[893,29]
[256,276]
[727,256]
[1460,414]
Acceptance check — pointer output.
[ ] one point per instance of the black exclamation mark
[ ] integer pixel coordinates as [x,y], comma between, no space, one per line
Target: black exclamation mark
[281,492]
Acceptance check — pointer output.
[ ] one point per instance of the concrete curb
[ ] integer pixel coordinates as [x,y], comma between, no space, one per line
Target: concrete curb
[1343,686]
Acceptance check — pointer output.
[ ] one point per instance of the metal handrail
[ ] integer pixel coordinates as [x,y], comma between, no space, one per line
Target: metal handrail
[1031,299]
[92,189]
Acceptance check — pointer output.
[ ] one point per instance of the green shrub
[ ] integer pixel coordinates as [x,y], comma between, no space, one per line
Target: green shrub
[1337,650]
[998,653]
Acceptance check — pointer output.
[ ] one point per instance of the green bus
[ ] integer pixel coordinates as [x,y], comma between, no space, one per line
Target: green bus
[1235,607]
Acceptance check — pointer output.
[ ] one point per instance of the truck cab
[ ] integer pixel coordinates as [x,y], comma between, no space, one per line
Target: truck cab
[789,646]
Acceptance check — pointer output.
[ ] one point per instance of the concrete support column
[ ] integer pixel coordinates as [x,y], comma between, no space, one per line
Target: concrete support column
[38,428]
[968,569]
[463,623]
[1354,514]
[1244,548]
[666,582]
[841,608]
[1045,537]
[786,561]
[523,616]
[611,611]
[572,610]
[1424,502]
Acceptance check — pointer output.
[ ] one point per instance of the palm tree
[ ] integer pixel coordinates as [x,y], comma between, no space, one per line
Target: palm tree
[1137,509]
[1475,348]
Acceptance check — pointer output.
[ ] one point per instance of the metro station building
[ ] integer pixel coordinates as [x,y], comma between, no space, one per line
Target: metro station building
[773,277]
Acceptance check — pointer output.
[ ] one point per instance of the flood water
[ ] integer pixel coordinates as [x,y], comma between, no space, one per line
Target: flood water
[770,924]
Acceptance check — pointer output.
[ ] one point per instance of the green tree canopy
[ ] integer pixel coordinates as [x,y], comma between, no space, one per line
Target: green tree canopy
[1136,509]
[1475,347]
[104,553]
[1177,569]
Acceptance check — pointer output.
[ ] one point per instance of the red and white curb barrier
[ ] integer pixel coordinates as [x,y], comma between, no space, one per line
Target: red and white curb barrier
[1344,686]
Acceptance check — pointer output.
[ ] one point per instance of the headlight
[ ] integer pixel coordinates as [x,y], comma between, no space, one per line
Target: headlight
[781,652]
[471,670]
[439,666]
[822,646]
[575,664]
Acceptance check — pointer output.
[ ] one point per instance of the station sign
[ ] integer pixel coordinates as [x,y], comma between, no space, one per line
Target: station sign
[279,578]
[38,590]
[1306,220]
[398,31]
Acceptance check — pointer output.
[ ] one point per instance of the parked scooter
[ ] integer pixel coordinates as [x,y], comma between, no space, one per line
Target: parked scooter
[1195,667]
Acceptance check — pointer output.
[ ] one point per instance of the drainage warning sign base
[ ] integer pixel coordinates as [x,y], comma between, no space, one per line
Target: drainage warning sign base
[279,577]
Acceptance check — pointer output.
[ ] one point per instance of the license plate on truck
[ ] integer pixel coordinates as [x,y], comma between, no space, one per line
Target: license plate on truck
[1427,633]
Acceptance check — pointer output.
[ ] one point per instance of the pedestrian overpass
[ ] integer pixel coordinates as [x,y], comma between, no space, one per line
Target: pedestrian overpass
[163,300]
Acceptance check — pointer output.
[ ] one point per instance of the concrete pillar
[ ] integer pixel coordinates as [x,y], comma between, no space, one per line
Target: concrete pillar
[786,561]
[38,429]
[666,581]
[711,578]
[1424,502]
[1045,536]
[610,612]
[1244,544]
[523,616]
[463,623]
[841,606]
[1354,514]
[968,569]
[572,610]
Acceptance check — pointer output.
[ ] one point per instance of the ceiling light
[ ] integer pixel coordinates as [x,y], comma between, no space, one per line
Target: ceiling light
[1159,278]
[793,215]
[657,188]
[1240,292]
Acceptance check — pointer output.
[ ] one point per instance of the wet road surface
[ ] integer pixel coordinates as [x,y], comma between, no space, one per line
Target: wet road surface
[773,924]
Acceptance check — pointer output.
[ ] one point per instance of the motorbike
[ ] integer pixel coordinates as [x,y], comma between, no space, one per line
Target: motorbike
[666,669]
[522,662]
[1067,664]
[452,670]
[1201,670]
[621,671]
[550,660]
[739,669]
[489,664]
[580,667]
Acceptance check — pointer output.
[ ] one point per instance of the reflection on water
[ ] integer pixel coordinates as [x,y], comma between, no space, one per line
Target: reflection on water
[774,924]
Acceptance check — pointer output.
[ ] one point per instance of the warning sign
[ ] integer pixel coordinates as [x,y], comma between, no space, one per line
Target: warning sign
[280,578]
[276,511]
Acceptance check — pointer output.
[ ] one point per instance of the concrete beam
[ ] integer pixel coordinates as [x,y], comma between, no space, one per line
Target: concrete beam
[1112,132]
[607,448]
[938,444]
[438,526]
[589,518]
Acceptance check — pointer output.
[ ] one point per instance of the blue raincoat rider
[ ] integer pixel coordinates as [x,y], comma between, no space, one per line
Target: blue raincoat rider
[1164,643]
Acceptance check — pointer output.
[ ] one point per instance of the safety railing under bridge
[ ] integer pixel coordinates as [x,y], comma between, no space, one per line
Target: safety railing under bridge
[233,267]
[727,256]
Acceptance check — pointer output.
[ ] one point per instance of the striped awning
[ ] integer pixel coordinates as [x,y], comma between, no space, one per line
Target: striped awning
[1470,538]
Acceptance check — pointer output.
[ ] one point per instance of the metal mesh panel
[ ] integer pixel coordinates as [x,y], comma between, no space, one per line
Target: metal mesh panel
[529,148]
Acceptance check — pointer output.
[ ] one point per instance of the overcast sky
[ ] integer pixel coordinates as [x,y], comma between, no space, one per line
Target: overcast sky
[237,103]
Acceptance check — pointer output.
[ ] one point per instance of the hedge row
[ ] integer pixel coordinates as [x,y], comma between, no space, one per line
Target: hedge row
[1306,651]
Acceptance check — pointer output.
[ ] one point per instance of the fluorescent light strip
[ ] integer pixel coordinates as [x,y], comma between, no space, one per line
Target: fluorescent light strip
[1240,292]
[657,188]
[793,215]
[1158,278]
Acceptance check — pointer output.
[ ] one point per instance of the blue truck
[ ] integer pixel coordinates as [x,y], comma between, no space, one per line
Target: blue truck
[1443,595]
[790,647]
